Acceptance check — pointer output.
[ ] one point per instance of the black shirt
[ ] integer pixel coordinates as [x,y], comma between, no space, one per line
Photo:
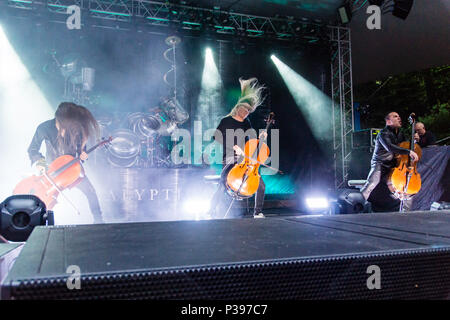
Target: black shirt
[427,139]
[48,132]
[225,126]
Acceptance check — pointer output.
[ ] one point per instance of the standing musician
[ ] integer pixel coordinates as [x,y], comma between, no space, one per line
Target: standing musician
[383,158]
[67,134]
[227,134]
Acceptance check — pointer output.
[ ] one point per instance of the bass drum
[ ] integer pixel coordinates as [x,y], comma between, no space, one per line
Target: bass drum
[147,125]
[124,149]
[167,127]
[134,123]
[158,123]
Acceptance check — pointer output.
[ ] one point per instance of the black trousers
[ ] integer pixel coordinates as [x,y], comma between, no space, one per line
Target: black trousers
[219,195]
[379,173]
[88,190]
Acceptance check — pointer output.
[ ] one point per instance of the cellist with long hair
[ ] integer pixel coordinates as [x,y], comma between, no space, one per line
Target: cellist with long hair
[227,134]
[67,134]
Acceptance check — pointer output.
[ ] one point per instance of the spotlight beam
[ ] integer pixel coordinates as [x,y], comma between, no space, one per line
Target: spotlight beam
[22,108]
[210,90]
[313,103]
[209,100]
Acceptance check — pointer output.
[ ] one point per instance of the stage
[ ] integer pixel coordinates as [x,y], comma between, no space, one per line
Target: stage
[279,257]
[118,117]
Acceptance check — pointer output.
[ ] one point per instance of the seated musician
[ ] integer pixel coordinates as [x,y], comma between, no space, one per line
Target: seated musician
[251,98]
[67,133]
[423,137]
[383,158]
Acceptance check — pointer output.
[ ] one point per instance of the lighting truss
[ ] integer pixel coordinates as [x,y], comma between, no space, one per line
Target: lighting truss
[187,18]
[342,102]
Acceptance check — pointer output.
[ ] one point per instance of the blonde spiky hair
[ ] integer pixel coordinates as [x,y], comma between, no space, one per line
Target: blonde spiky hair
[251,95]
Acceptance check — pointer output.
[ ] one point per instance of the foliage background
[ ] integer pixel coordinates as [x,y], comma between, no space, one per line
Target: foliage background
[425,92]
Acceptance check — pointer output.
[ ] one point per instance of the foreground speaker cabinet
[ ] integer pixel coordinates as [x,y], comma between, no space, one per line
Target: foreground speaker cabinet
[324,257]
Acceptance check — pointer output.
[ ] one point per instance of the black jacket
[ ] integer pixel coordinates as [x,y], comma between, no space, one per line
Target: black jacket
[47,132]
[386,147]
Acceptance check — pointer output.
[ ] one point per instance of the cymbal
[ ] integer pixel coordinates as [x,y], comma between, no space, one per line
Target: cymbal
[173,40]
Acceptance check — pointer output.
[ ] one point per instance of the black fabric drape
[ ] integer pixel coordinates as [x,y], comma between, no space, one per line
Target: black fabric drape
[432,167]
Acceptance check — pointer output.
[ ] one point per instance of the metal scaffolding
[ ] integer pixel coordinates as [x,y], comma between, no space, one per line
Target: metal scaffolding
[165,16]
[342,102]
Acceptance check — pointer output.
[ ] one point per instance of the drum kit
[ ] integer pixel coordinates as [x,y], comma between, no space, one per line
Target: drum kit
[143,139]
[140,139]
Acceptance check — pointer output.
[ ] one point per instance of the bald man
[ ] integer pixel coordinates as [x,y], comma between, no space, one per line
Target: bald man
[383,158]
[423,137]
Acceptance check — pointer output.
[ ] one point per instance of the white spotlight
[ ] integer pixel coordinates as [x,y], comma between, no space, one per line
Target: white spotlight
[209,105]
[196,207]
[317,203]
[22,108]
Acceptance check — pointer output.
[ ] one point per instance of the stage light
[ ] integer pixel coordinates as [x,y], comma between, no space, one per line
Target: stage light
[313,103]
[441,205]
[209,106]
[196,207]
[349,201]
[22,108]
[211,79]
[210,90]
[19,214]
[345,13]
[317,203]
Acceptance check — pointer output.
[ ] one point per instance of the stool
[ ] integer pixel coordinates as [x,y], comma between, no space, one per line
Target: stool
[357,183]
[214,179]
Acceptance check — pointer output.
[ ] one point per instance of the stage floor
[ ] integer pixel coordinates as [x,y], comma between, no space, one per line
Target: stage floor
[121,246]
[405,245]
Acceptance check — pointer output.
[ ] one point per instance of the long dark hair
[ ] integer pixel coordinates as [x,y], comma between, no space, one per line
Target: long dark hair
[76,125]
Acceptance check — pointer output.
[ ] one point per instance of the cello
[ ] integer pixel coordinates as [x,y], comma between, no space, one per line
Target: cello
[405,179]
[64,172]
[243,179]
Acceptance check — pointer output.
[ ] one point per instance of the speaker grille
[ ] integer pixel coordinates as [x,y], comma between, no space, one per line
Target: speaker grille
[414,274]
